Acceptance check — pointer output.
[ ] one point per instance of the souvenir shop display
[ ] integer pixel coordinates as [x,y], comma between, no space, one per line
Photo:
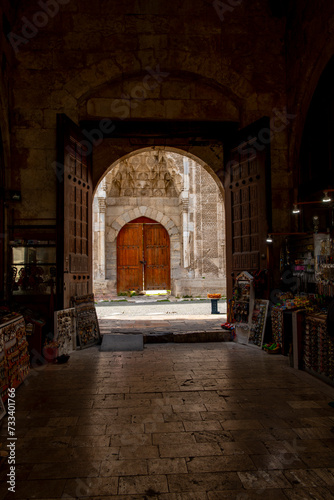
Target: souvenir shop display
[87,326]
[35,333]
[281,318]
[14,355]
[277,324]
[24,358]
[301,255]
[325,265]
[33,269]
[300,311]
[2,409]
[318,347]
[259,319]
[242,306]
[65,330]
[3,376]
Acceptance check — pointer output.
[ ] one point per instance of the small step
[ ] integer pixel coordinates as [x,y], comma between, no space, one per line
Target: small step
[211,336]
[158,337]
[122,342]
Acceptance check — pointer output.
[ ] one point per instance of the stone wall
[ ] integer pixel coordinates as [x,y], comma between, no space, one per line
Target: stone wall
[147,60]
[184,198]
[9,177]
[156,61]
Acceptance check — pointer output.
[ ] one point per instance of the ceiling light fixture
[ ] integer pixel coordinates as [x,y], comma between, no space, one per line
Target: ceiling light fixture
[295,209]
[326,198]
[269,239]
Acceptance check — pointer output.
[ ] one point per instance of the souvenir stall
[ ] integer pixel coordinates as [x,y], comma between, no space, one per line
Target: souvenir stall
[31,281]
[64,341]
[248,314]
[242,305]
[75,328]
[299,317]
[14,355]
[258,323]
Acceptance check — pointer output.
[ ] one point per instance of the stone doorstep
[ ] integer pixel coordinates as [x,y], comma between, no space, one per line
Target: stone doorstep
[122,342]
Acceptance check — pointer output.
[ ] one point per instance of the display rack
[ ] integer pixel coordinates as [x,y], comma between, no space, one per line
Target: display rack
[87,325]
[281,318]
[325,265]
[318,348]
[277,324]
[65,330]
[243,305]
[14,355]
[259,320]
[302,260]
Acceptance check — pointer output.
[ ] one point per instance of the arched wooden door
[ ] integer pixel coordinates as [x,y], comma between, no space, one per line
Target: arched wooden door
[143,256]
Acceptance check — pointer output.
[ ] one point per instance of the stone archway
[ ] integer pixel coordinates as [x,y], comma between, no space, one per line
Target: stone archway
[145,211]
[177,192]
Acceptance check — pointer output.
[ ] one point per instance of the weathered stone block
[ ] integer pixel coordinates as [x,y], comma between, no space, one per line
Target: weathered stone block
[116,226]
[119,342]
[170,224]
[126,217]
[120,221]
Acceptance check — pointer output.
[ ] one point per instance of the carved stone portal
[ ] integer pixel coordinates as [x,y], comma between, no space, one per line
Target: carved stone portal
[146,174]
[181,195]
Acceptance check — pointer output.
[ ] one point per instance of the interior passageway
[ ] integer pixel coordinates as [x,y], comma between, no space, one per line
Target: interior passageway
[205,421]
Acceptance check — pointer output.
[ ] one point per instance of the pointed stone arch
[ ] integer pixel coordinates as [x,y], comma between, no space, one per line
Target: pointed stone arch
[144,211]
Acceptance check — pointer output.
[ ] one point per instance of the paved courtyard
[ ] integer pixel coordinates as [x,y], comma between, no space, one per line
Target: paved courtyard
[173,422]
[162,307]
[155,315]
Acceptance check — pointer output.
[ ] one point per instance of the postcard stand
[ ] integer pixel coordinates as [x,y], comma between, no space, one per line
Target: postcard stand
[243,305]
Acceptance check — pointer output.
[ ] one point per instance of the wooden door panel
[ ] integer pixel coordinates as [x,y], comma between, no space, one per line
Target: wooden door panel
[248,211]
[74,218]
[138,243]
[157,257]
[129,255]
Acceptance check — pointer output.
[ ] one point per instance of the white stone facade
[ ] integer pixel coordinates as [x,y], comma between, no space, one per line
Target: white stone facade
[180,194]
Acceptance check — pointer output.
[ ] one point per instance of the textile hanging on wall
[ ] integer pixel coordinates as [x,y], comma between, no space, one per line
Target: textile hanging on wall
[87,326]
[65,328]
[14,355]
[259,319]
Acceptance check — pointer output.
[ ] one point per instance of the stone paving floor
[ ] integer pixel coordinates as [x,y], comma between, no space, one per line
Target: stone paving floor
[173,422]
[148,315]
[148,325]
[143,307]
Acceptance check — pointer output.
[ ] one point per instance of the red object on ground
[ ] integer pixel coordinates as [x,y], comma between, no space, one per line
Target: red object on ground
[50,354]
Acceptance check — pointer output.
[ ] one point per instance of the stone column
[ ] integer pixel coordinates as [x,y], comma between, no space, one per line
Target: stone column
[101,239]
[185,213]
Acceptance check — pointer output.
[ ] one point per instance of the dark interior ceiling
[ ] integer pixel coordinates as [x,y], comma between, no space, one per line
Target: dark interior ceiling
[279,8]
